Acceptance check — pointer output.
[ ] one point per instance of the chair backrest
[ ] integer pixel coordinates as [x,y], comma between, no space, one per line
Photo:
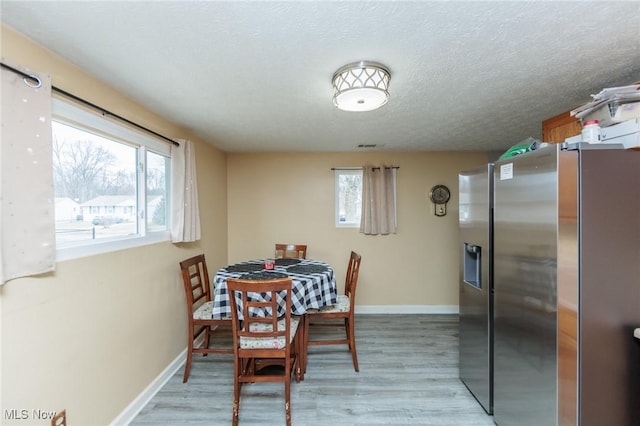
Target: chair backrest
[195,278]
[291,251]
[259,312]
[351,281]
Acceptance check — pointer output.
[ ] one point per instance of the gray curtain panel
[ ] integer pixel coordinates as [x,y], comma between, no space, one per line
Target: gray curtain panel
[378,200]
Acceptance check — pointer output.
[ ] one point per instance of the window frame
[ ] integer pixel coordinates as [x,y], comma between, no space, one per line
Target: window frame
[339,172]
[73,114]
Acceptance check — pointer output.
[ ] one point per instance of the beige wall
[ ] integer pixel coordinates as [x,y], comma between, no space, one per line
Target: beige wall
[91,336]
[289,198]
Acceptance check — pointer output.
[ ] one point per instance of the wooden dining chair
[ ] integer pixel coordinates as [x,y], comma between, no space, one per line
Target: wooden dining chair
[339,315]
[291,251]
[261,339]
[195,277]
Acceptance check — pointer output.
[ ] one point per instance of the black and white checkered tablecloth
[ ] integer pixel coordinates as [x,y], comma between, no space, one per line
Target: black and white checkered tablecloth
[313,284]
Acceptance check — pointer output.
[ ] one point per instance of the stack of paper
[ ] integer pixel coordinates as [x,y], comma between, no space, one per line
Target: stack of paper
[617,95]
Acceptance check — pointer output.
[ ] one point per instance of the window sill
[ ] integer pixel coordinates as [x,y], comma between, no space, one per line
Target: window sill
[347,225]
[76,252]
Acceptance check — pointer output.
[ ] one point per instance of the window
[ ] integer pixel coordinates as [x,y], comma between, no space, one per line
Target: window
[348,197]
[111,183]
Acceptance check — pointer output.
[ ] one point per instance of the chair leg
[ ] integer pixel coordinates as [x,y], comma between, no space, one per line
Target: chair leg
[236,393]
[296,367]
[287,400]
[187,366]
[300,345]
[305,344]
[351,335]
[207,333]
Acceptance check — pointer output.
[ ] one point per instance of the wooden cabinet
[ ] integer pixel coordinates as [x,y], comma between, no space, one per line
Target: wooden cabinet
[557,129]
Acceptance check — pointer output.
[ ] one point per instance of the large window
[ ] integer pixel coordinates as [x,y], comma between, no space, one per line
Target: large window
[348,197]
[111,183]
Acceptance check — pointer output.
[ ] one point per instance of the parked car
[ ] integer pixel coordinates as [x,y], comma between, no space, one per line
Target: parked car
[106,220]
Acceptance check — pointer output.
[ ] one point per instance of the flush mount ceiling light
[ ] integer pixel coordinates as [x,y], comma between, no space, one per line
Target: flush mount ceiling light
[361,86]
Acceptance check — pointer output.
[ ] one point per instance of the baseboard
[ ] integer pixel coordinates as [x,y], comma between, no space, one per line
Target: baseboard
[132,410]
[407,309]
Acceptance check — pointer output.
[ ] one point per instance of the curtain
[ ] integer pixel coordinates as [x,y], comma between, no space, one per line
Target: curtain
[27,208]
[185,217]
[378,200]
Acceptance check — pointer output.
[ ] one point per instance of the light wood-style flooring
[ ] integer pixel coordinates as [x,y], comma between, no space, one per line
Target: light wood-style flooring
[408,376]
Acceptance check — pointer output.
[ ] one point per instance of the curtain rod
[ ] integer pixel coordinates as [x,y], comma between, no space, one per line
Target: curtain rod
[360,168]
[92,105]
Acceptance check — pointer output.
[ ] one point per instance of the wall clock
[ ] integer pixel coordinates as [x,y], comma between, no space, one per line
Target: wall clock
[439,196]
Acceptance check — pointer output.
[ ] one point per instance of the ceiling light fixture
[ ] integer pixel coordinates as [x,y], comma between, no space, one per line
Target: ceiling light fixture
[361,86]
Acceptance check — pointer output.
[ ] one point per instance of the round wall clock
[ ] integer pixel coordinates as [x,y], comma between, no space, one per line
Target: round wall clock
[439,196]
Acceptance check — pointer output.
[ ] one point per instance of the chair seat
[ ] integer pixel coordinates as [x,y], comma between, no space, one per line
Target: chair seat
[268,342]
[204,312]
[342,305]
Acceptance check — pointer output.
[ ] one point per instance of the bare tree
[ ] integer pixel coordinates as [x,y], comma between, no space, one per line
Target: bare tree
[120,183]
[351,194]
[156,181]
[81,169]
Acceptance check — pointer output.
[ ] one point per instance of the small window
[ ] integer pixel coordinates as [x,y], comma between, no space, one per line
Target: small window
[348,198]
[111,184]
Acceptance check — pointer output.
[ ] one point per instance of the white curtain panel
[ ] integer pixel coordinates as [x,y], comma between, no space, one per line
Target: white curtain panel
[27,221]
[378,200]
[185,217]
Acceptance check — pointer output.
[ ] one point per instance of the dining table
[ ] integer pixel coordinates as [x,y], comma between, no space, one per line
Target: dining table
[313,286]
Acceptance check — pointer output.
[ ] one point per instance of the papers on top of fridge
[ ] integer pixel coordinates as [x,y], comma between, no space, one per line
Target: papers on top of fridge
[612,105]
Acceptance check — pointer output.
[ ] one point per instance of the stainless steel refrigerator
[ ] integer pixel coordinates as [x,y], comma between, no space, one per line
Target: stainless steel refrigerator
[476,300]
[567,287]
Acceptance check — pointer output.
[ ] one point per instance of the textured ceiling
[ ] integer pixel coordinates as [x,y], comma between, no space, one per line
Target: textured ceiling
[256,76]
